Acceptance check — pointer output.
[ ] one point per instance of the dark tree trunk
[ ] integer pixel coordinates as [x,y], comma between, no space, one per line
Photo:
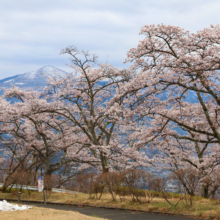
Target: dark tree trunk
[6,183]
[205,191]
[48,181]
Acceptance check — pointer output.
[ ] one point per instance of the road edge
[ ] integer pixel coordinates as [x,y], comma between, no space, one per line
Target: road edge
[101,207]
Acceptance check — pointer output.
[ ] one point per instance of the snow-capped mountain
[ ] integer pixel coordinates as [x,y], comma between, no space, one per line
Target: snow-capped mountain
[34,79]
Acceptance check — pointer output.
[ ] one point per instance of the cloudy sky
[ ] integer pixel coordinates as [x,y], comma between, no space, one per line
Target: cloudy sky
[32,32]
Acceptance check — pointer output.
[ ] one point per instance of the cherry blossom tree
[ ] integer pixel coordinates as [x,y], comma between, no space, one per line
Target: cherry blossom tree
[176,91]
[101,140]
[71,123]
[14,156]
[4,108]
[33,127]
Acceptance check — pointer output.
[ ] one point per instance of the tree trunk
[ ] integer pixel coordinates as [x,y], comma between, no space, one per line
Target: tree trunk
[48,177]
[104,161]
[6,183]
[205,191]
[48,181]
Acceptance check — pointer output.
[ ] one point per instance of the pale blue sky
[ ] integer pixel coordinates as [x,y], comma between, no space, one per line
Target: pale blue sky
[32,32]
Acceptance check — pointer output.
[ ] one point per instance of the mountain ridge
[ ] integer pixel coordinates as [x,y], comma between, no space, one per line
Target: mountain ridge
[33,79]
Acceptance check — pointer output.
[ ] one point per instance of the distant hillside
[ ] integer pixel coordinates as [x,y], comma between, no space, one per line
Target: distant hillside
[34,79]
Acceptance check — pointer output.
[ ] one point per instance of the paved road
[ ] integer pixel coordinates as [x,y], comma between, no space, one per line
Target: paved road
[113,214]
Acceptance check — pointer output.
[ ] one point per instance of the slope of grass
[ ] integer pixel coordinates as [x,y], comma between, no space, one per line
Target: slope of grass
[45,214]
[202,208]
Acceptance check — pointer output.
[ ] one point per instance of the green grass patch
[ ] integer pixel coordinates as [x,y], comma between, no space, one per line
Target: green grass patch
[202,208]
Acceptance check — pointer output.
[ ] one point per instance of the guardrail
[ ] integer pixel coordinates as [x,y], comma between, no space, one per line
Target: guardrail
[35,188]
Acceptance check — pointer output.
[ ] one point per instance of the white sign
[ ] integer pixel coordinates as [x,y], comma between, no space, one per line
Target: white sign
[40,184]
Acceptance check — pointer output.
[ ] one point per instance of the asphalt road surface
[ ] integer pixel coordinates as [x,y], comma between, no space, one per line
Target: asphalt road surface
[113,214]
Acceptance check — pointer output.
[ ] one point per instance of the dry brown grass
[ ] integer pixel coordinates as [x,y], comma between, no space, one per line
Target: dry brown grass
[202,208]
[44,214]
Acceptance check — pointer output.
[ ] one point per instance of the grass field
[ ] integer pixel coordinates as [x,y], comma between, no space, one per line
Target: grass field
[44,214]
[202,208]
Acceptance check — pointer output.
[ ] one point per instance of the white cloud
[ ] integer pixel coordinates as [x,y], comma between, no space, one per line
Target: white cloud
[32,33]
